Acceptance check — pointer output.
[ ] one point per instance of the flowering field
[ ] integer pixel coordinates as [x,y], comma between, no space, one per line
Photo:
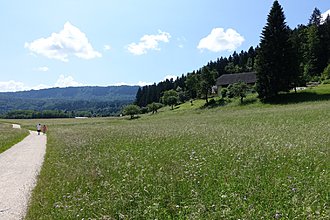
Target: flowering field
[267,162]
[10,136]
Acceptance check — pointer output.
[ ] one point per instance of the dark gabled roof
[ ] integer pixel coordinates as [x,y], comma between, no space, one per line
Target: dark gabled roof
[228,79]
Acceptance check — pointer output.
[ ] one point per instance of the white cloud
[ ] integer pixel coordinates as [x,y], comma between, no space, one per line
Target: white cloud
[140,83]
[221,40]
[67,82]
[68,42]
[107,47]
[14,86]
[148,42]
[42,69]
[38,87]
[325,15]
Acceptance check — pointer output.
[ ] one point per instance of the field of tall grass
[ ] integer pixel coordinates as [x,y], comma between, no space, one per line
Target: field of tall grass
[234,162]
[10,136]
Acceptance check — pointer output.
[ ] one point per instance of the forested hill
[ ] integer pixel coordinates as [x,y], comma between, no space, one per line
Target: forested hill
[90,93]
[92,100]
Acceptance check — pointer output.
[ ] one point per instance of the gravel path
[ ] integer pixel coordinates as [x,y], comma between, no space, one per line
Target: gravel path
[19,167]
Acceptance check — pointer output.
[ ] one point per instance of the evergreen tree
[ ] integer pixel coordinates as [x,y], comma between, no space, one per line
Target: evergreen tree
[276,64]
[138,97]
[312,67]
[315,18]
[324,33]
[300,45]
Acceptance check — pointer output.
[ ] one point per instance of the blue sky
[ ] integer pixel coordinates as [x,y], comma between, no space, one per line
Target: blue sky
[105,42]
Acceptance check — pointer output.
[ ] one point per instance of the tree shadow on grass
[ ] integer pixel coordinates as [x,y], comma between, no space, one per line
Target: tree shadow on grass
[133,118]
[249,101]
[292,98]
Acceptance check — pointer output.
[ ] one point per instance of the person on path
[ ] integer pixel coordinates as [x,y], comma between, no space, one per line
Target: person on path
[44,129]
[38,128]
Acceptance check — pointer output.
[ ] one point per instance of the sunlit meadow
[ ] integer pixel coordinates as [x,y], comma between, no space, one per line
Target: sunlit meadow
[234,162]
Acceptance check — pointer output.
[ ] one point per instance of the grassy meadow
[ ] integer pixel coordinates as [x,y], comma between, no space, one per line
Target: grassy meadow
[251,161]
[10,136]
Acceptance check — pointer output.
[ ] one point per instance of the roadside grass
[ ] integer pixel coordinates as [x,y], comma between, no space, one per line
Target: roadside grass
[221,163]
[10,136]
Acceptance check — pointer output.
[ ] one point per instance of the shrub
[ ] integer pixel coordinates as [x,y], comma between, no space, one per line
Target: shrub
[153,107]
[212,102]
[326,74]
[326,81]
[224,92]
[144,110]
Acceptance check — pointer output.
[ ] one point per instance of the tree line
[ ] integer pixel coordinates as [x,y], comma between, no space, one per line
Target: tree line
[18,108]
[32,114]
[285,58]
[198,83]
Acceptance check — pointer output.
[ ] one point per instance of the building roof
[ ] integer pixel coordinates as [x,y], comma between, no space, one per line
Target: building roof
[228,79]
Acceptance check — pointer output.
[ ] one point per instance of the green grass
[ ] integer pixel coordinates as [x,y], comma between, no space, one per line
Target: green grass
[235,162]
[10,136]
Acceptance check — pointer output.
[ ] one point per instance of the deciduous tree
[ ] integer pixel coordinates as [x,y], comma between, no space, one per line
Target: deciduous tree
[170,98]
[131,110]
[207,81]
[238,90]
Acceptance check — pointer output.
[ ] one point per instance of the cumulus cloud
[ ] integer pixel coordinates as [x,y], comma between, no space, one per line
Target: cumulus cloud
[68,42]
[140,83]
[325,15]
[68,81]
[148,42]
[221,40]
[42,69]
[14,86]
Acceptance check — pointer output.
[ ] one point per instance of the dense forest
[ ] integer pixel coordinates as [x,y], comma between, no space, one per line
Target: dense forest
[66,102]
[307,58]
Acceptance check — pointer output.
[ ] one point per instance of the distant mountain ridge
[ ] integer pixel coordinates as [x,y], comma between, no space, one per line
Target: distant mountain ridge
[108,93]
[107,100]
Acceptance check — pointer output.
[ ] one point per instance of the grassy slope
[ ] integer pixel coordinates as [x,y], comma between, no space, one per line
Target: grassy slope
[10,136]
[249,162]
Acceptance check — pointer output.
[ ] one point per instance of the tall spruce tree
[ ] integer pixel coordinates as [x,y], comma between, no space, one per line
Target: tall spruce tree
[277,68]
[138,97]
[315,18]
